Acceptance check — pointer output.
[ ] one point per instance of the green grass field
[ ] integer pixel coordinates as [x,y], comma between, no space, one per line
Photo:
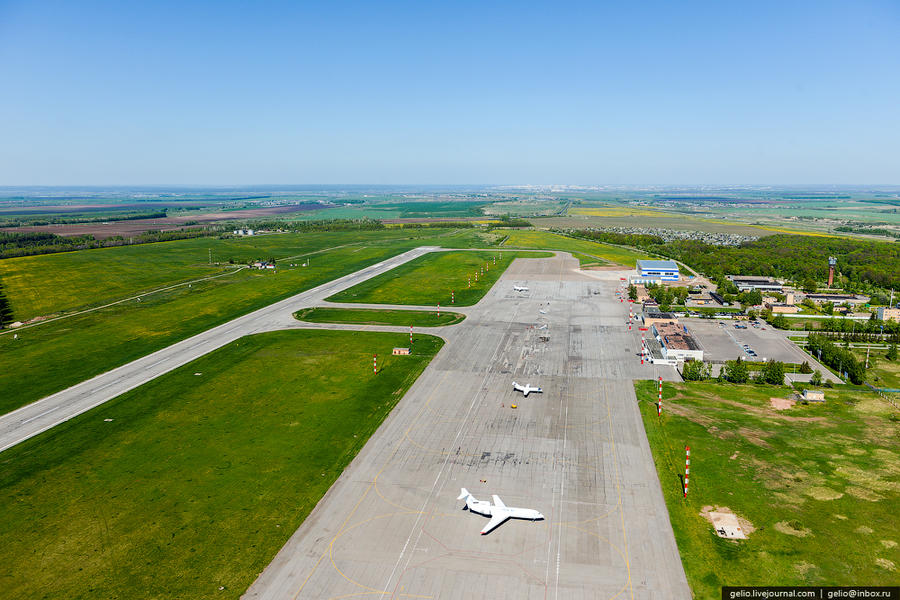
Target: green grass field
[45,284]
[882,372]
[588,253]
[362,316]
[429,280]
[819,483]
[53,356]
[198,480]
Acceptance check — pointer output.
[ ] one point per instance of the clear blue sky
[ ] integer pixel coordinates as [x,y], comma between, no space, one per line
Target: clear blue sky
[381,92]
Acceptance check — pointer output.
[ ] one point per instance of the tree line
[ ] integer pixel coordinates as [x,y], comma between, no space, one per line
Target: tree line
[800,258]
[6,314]
[28,244]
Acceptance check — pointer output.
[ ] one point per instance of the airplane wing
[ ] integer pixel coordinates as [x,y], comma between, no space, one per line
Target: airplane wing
[493,523]
[498,501]
[518,387]
[525,391]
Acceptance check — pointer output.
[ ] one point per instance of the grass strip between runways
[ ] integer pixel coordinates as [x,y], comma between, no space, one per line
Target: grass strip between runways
[374,316]
[445,278]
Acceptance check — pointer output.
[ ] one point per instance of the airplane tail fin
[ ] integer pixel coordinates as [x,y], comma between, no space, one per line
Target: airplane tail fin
[463,494]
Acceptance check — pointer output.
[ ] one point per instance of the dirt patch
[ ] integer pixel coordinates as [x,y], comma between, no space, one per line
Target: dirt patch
[885,564]
[822,493]
[689,413]
[841,517]
[781,403]
[745,525]
[763,412]
[754,436]
[889,544]
[803,567]
[867,479]
[863,493]
[793,528]
[864,530]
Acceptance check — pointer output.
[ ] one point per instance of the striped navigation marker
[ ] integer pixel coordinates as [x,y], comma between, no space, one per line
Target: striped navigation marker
[659,404]
[687,468]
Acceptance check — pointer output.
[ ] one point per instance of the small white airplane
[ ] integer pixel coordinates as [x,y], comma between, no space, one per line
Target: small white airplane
[520,288]
[526,389]
[498,512]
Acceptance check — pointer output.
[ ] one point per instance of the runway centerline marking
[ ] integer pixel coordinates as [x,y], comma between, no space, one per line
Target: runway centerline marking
[615,456]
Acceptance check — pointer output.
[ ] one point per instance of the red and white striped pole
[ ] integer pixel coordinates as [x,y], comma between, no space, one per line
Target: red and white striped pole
[643,348]
[659,404]
[375,364]
[687,468]
[410,334]
[468,282]
[452,297]
[439,310]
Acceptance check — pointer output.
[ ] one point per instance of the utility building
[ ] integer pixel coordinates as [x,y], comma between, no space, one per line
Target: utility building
[664,270]
[676,341]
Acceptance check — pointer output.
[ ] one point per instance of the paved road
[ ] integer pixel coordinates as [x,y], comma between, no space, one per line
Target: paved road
[48,412]
[391,526]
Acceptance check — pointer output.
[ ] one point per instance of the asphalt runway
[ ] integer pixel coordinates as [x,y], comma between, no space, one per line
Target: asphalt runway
[391,526]
[32,419]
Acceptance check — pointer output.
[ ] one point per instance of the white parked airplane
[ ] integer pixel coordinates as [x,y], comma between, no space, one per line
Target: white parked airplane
[526,389]
[520,288]
[498,512]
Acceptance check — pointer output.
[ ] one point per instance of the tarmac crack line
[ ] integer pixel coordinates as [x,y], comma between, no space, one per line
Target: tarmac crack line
[478,395]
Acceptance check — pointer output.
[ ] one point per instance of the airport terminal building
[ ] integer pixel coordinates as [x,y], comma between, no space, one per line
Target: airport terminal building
[663,270]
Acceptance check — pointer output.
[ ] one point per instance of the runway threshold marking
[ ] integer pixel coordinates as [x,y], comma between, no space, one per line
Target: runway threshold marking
[612,439]
[368,489]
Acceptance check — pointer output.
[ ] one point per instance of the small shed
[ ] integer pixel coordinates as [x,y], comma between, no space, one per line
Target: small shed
[401,351]
[813,395]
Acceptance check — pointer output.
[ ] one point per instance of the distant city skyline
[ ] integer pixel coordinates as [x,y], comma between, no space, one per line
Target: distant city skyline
[221,94]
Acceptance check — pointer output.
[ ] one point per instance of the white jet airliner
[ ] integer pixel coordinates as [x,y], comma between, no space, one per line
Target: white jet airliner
[498,512]
[526,389]
[520,288]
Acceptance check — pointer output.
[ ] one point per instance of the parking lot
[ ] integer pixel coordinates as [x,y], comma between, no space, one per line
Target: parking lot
[721,341]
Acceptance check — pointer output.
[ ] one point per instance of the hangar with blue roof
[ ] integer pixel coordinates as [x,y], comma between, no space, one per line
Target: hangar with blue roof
[666,270]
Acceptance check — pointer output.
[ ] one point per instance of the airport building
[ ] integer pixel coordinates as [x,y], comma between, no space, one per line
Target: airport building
[662,270]
[784,309]
[653,317]
[888,314]
[749,283]
[677,342]
[851,299]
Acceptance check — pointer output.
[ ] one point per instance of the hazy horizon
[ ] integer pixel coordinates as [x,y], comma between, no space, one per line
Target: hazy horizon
[218,94]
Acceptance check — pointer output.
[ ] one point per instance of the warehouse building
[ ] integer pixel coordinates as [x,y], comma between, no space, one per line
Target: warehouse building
[677,342]
[663,270]
[749,283]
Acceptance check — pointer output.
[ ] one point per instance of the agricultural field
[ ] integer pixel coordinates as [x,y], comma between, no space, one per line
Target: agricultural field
[588,253]
[364,316]
[188,486]
[815,486]
[430,279]
[52,356]
[49,283]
